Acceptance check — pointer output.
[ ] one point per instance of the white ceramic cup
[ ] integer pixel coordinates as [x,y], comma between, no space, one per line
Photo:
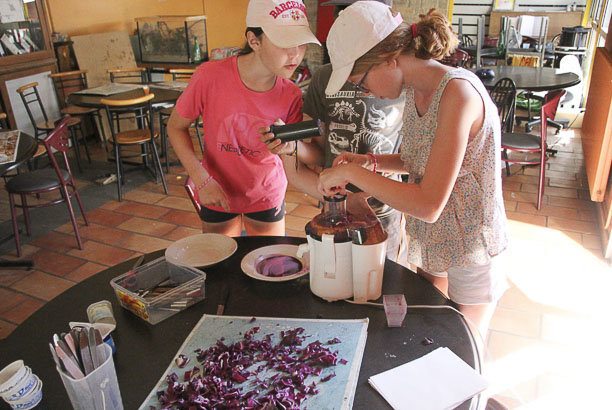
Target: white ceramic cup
[11,376]
[368,268]
[23,388]
[31,400]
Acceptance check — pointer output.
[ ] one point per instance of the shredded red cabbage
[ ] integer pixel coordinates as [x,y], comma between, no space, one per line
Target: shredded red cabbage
[224,381]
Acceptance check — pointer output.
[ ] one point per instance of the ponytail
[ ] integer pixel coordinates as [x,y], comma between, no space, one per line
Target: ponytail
[435,38]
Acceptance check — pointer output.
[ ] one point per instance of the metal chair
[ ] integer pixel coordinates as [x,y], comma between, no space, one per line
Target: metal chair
[47,180]
[528,143]
[68,82]
[178,74]
[31,99]
[503,95]
[128,75]
[139,109]
[458,58]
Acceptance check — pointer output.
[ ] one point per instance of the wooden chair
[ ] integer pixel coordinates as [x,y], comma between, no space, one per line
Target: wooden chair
[140,109]
[458,58]
[68,82]
[128,75]
[31,100]
[528,143]
[47,180]
[178,74]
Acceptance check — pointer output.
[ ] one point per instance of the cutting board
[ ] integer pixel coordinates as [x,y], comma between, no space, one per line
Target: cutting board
[336,393]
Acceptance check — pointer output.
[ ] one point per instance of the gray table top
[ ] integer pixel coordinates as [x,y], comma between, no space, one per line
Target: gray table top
[532,78]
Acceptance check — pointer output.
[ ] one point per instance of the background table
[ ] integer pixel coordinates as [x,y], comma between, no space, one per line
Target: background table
[25,150]
[162,95]
[144,351]
[532,78]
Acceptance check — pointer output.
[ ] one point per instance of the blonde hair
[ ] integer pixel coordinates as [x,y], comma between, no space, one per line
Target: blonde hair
[434,39]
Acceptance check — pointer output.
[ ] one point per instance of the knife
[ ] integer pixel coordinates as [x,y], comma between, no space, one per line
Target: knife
[222,301]
[91,342]
[85,354]
[100,346]
[71,368]
[56,358]
[70,342]
[64,347]
[75,332]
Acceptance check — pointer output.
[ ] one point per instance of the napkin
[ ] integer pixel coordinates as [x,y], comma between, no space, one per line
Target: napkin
[438,380]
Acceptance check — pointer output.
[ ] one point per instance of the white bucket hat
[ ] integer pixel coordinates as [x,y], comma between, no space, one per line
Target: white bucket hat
[284,22]
[356,31]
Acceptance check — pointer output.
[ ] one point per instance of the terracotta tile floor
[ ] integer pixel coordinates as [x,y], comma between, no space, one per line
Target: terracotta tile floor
[549,339]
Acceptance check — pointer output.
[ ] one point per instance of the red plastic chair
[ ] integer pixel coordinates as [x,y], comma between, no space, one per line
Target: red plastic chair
[458,58]
[529,143]
[47,180]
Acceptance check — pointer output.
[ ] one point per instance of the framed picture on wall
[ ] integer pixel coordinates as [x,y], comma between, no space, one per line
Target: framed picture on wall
[503,5]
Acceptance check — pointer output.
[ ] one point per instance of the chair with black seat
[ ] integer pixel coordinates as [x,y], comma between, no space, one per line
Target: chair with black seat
[529,143]
[178,74]
[71,81]
[59,178]
[503,95]
[458,58]
[128,75]
[31,100]
[139,109]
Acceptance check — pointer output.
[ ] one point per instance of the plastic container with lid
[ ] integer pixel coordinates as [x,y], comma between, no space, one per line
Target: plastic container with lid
[159,289]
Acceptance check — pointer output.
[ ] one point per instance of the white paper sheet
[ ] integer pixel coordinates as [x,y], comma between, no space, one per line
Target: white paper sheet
[439,380]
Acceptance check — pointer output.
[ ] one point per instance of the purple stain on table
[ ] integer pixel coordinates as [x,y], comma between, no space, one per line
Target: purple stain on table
[277,265]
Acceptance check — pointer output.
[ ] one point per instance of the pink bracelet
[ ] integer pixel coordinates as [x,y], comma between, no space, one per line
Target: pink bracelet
[373,159]
[203,184]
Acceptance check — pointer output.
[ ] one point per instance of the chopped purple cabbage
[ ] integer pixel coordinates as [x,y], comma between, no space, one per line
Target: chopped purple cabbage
[220,381]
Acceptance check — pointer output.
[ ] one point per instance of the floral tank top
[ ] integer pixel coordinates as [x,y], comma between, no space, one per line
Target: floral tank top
[472,227]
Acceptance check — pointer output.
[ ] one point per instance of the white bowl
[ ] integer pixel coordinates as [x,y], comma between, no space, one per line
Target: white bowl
[11,376]
[201,250]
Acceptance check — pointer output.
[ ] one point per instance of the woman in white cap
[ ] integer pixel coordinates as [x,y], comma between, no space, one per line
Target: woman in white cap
[450,150]
[238,181]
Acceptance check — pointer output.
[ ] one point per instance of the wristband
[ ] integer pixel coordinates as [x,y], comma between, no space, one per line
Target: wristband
[373,159]
[203,184]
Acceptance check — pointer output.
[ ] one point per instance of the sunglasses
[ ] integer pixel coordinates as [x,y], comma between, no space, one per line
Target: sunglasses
[359,86]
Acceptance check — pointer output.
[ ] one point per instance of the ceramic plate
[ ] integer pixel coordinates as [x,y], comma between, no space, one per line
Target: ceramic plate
[253,258]
[201,250]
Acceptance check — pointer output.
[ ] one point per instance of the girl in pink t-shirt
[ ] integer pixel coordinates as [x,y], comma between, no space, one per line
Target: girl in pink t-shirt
[238,180]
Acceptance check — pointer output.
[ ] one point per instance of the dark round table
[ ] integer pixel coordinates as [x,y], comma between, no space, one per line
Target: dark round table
[162,95]
[144,351]
[532,78]
[25,150]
